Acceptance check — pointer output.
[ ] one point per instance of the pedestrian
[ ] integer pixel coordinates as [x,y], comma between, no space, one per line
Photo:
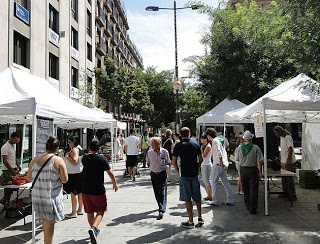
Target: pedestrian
[92,187]
[287,158]
[239,184]
[158,159]
[206,166]
[73,186]
[145,147]
[116,148]
[219,168]
[167,143]
[10,166]
[250,160]
[131,147]
[47,195]
[189,151]
[177,139]
[121,146]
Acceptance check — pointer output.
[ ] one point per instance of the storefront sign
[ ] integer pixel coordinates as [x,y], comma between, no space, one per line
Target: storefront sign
[21,13]
[54,38]
[258,128]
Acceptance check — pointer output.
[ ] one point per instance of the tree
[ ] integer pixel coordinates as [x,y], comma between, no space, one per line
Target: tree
[304,42]
[194,104]
[161,96]
[247,54]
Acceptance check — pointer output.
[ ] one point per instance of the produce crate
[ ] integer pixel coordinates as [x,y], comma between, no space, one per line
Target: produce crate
[308,179]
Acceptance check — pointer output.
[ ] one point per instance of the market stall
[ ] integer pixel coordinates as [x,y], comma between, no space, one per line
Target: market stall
[293,101]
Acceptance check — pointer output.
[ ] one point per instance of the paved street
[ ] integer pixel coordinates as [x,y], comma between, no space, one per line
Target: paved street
[132,219]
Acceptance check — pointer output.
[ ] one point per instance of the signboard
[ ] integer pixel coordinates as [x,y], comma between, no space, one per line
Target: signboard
[21,13]
[74,92]
[54,38]
[44,130]
[74,53]
[258,128]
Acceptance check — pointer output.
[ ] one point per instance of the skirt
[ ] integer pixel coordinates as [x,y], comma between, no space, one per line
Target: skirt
[74,184]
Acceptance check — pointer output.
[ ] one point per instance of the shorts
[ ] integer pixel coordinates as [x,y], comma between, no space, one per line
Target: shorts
[190,188]
[73,185]
[94,203]
[206,174]
[132,160]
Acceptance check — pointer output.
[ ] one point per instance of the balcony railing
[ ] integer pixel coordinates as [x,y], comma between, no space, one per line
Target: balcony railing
[100,16]
[101,47]
[110,28]
[108,5]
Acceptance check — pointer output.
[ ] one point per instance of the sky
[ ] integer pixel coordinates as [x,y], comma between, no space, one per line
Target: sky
[153,32]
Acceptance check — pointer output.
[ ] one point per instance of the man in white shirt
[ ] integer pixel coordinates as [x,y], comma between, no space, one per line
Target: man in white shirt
[131,148]
[219,168]
[287,158]
[10,166]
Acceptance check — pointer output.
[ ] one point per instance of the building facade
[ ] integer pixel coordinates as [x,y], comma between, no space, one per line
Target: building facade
[51,39]
[260,3]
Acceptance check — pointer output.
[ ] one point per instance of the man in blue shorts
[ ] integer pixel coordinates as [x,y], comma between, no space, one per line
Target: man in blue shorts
[189,150]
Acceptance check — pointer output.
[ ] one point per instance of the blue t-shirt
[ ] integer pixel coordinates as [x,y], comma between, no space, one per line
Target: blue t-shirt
[188,150]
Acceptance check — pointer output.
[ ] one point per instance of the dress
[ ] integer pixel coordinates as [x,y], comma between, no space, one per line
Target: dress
[47,197]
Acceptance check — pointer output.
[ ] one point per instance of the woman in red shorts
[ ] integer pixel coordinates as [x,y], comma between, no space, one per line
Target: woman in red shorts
[93,191]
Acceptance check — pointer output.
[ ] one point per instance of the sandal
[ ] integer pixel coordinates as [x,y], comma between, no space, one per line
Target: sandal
[69,216]
[79,213]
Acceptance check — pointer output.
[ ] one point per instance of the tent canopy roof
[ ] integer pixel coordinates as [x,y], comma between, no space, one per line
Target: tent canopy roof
[293,101]
[23,95]
[217,114]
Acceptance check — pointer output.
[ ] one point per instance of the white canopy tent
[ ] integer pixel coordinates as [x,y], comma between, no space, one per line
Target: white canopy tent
[23,97]
[216,116]
[291,102]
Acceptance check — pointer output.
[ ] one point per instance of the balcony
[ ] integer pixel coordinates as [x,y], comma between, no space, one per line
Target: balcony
[120,46]
[115,15]
[110,29]
[101,47]
[100,16]
[108,5]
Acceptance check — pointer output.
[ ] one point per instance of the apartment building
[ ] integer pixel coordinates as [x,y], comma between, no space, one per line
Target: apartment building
[260,3]
[52,39]
[112,39]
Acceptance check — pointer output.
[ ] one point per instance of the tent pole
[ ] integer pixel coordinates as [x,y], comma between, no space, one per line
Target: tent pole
[265,158]
[34,151]
[224,129]
[22,144]
[112,146]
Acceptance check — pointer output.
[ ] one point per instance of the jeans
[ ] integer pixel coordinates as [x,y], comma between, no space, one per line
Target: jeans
[220,172]
[144,151]
[159,184]
[250,185]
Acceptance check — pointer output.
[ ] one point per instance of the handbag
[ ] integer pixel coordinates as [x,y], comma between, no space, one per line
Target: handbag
[35,178]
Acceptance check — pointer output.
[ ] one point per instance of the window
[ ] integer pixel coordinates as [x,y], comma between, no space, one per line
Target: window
[89,24]
[74,77]
[20,50]
[53,19]
[99,63]
[53,66]
[89,52]
[23,3]
[74,38]
[89,1]
[89,85]
[74,9]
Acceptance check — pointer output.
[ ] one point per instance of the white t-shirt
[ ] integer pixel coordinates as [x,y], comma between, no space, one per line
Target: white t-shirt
[10,151]
[218,151]
[285,143]
[133,143]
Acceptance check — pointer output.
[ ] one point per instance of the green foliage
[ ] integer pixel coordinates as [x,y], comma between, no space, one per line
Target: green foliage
[304,42]
[123,87]
[161,96]
[194,104]
[247,52]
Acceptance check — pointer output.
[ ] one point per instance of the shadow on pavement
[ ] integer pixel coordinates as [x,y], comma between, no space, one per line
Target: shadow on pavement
[130,218]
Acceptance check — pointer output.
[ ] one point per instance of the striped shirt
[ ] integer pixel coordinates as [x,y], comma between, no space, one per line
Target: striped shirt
[47,197]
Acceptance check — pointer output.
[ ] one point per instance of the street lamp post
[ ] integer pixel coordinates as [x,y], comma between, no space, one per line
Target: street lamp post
[176,83]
